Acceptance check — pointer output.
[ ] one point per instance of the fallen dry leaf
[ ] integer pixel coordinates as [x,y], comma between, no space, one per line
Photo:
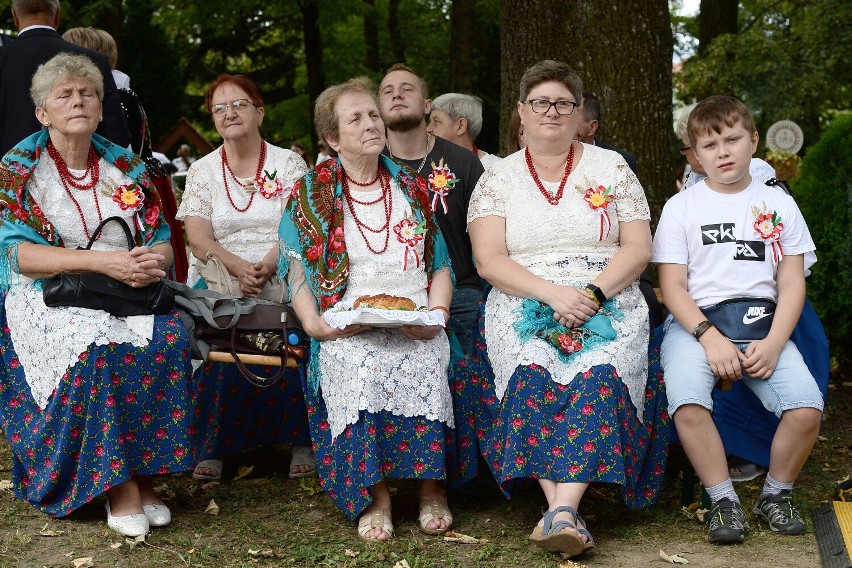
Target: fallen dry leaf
[6,485]
[402,564]
[381,556]
[822,438]
[570,564]
[212,508]
[351,553]
[699,514]
[673,559]
[116,545]
[261,553]
[451,536]
[49,532]
[85,562]
[243,471]
[210,486]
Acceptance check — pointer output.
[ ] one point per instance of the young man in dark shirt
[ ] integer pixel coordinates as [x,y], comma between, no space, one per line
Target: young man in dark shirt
[451,173]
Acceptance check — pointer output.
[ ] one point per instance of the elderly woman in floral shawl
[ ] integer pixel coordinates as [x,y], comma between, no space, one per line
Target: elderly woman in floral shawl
[378,399]
[90,403]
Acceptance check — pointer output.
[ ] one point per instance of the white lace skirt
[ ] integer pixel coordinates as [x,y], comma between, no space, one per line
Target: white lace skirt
[381,369]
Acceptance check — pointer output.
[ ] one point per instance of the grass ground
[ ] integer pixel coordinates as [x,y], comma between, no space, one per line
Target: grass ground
[268,520]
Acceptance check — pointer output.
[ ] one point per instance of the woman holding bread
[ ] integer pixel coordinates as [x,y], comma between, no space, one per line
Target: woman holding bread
[379,402]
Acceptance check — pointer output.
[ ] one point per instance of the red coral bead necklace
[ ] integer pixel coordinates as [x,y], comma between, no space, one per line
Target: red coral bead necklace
[552,199]
[67,178]
[386,196]
[254,182]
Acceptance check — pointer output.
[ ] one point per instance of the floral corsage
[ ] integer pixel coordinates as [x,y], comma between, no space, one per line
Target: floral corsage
[269,187]
[129,196]
[598,199]
[768,227]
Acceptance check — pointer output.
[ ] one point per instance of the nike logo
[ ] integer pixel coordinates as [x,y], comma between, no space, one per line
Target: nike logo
[751,318]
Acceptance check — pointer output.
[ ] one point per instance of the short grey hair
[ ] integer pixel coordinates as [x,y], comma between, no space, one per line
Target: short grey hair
[30,7]
[325,107]
[683,119]
[457,106]
[65,67]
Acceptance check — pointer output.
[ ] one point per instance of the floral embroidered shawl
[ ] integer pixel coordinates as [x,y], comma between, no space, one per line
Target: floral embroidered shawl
[313,230]
[21,219]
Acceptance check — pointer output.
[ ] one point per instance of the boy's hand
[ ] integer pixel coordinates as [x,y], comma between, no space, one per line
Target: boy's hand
[724,357]
[761,358]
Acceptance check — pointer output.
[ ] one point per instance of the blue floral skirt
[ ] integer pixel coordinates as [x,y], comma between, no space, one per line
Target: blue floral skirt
[120,411]
[380,445]
[232,415]
[586,431]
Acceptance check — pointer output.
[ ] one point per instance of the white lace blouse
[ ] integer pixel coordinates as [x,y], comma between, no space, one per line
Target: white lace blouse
[249,234]
[382,369]
[562,244]
[48,341]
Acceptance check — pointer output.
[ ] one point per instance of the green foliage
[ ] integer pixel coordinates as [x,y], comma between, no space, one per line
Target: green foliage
[823,191]
[786,62]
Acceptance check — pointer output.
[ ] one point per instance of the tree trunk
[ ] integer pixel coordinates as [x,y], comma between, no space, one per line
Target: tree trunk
[397,45]
[371,37]
[313,54]
[716,17]
[461,49]
[623,53]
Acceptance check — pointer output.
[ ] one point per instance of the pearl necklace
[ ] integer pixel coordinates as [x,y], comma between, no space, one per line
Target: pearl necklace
[552,199]
[425,154]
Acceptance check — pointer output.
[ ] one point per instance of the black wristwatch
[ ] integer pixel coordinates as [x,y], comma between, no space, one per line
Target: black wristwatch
[600,297]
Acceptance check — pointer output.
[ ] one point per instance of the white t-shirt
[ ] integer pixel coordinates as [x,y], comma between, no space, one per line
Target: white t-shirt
[715,236]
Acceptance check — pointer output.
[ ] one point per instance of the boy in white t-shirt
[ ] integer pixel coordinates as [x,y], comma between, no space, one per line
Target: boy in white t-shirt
[731,237]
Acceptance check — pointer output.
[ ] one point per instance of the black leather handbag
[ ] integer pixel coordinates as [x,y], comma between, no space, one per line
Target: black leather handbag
[100,292]
[742,320]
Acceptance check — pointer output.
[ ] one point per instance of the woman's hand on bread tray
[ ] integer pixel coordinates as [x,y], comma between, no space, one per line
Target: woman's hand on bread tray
[424,332]
[319,329]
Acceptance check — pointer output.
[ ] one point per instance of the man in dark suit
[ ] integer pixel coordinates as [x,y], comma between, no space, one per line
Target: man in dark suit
[590,121]
[37,42]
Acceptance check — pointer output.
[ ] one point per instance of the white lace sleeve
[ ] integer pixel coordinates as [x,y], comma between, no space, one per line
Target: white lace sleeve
[294,170]
[197,198]
[630,201]
[487,198]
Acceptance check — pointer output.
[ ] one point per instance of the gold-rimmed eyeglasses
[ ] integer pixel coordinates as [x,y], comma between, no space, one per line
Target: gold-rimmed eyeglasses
[238,105]
[542,106]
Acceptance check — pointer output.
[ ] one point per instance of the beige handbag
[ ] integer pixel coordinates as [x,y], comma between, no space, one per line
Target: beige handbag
[220,280]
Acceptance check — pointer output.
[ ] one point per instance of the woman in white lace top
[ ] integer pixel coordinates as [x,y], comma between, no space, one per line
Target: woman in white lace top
[560,230]
[378,398]
[232,204]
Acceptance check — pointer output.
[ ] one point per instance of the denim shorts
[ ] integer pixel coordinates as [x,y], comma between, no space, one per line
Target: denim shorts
[689,379]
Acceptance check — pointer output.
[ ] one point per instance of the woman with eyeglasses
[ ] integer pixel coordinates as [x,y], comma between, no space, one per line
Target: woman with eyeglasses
[232,204]
[571,392]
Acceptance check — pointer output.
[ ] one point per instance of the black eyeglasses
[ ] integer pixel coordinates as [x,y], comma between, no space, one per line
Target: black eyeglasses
[542,106]
[238,105]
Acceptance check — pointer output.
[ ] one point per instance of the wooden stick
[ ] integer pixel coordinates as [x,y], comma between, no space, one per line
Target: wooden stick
[226,357]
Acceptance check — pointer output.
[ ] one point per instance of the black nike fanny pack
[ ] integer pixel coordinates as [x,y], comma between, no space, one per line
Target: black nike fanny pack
[742,320]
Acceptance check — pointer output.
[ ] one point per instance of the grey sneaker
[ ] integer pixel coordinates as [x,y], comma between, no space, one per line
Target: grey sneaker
[780,513]
[726,522]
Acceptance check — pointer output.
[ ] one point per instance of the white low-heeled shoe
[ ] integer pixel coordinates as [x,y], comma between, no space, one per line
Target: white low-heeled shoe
[135,524]
[158,515]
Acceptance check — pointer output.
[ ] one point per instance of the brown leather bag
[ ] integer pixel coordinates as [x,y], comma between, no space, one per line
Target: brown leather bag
[271,328]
